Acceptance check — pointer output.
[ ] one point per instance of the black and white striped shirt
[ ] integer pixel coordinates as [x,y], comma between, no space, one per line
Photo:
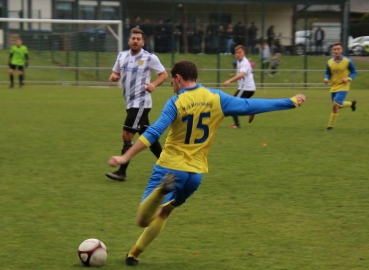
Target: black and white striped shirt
[134,71]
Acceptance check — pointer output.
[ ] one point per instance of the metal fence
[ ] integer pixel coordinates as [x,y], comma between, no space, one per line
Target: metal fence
[98,76]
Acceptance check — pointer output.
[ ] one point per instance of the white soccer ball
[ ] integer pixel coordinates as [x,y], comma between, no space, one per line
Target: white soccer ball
[92,252]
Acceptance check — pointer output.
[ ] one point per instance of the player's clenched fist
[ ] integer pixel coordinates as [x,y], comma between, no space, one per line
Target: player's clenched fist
[300,98]
[114,77]
[114,161]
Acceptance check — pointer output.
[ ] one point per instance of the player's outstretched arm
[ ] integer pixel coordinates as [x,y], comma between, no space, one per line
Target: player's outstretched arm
[151,135]
[134,150]
[236,106]
[235,78]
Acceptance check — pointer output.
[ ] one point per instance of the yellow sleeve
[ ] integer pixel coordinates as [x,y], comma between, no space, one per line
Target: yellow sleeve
[294,100]
[145,141]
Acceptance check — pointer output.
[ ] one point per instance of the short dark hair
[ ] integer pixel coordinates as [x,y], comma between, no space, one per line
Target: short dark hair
[238,47]
[186,68]
[137,31]
[338,44]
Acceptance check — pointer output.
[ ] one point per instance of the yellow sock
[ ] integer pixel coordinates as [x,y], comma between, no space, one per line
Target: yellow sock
[346,104]
[149,234]
[332,119]
[150,205]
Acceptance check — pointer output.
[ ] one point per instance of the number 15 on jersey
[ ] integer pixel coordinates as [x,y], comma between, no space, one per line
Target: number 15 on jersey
[200,125]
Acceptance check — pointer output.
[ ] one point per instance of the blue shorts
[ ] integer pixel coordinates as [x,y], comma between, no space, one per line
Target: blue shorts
[186,184]
[339,97]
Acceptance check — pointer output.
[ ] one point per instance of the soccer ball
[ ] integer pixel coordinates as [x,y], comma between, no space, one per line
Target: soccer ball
[92,252]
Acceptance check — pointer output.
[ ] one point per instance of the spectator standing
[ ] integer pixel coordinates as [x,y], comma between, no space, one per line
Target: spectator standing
[239,34]
[127,30]
[275,63]
[178,37]
[222,39]
[251,34]
[190,36]
[265,56]
[319,37]
[137,22]
[197,39]
[270,35]
[161,38]
[211,37]
[229,39]
[148,28]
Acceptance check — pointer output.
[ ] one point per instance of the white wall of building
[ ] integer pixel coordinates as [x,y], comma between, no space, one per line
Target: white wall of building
[14,6]
[42,7]
[45,9]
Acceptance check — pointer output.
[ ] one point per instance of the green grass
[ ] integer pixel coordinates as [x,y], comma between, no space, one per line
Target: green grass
[300,202]
[293,78]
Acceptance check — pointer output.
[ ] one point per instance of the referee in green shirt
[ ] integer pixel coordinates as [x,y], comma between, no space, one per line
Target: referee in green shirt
[18,59]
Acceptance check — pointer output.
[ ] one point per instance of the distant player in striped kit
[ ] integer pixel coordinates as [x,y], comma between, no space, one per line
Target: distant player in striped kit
[133,67]
[245,78]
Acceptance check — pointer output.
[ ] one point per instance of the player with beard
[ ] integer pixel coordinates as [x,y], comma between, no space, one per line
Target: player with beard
[133,67]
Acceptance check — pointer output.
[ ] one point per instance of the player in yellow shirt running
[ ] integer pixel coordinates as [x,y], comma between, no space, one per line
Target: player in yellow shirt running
[340,71]
[192,116]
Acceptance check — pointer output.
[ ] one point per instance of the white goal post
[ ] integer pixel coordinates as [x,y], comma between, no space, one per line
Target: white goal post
[118,36]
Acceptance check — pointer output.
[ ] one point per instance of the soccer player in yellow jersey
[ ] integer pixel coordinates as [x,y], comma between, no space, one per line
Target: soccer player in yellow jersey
[340,71]
[192,116]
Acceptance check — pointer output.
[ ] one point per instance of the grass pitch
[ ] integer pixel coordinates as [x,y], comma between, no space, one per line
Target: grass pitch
[282,193]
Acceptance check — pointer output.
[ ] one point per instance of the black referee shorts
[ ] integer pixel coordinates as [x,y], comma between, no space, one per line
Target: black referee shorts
[244,93]
[15,67]
[137,119]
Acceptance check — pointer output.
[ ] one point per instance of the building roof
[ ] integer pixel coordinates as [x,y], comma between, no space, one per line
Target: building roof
[356,6]
[359,6]
[294,2]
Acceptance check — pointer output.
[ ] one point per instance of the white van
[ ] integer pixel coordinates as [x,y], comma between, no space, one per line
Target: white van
[305,41]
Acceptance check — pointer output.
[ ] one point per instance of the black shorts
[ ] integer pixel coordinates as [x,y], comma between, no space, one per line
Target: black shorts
[137,120]
[244,93]
[15,67]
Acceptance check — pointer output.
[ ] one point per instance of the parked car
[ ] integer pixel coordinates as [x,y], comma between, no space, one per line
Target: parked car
[305,43]
[359,45]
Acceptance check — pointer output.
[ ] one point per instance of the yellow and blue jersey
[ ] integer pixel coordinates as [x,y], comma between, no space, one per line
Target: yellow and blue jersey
[338,70]
[193,117]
